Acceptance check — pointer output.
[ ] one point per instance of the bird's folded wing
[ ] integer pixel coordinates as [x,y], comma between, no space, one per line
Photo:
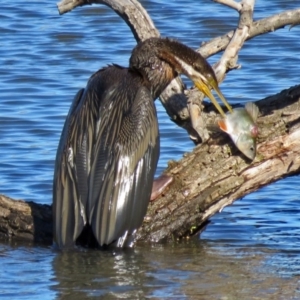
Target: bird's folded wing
[125,156]
[68,205]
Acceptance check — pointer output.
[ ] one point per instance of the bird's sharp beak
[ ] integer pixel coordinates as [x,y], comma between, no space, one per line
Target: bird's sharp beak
[205,88]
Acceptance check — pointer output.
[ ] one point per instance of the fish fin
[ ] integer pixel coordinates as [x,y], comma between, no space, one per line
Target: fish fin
[222,125]
[252,110]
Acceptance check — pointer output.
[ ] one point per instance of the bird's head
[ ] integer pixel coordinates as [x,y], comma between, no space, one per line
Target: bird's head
[153,56]
[196,67]
[192,64]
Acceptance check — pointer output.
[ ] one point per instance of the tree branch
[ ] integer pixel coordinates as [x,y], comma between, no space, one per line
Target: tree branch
[131,11]
[229,58]
[230,3]
[227,62]
[263,26]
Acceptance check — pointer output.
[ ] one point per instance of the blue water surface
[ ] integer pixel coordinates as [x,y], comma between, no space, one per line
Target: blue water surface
[249,251]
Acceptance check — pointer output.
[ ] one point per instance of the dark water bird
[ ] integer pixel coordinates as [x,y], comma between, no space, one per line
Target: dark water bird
[109,147]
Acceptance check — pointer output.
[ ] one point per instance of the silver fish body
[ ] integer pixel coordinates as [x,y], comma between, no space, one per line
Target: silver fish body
[242,128]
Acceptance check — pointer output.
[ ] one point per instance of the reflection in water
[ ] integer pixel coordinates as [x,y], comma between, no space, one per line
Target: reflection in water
[98,273]
[191,270]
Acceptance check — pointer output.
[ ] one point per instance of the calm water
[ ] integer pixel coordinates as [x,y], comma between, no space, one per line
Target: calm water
[249,251]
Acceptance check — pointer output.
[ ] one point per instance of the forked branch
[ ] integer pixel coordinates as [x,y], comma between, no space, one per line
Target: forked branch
[229,58]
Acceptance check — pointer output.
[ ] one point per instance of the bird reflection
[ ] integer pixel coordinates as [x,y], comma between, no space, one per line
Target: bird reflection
[80,275]
[109,146]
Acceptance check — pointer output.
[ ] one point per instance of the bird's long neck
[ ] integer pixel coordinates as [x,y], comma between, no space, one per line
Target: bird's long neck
[160,60]
[155,60]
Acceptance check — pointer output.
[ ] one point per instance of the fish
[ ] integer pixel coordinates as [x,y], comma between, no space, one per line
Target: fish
[241,126]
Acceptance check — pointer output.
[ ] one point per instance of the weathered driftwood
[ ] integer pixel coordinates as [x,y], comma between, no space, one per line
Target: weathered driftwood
[205,181]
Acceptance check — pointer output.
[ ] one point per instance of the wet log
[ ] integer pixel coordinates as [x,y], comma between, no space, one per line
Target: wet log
[206,180]
[215,174]
[27,221]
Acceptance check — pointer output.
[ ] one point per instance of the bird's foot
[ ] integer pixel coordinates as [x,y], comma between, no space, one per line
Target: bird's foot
[159,185]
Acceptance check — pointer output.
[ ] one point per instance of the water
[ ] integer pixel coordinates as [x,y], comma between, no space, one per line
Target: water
[249,251]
